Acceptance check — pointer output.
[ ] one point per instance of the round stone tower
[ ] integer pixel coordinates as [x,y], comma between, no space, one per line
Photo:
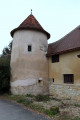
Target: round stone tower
[29,64]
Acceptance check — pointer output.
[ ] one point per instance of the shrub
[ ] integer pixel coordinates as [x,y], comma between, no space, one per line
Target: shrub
[4,75]
[29,95]
[42,98]
[50,113]
[21,100]
[54,109]
[76,118]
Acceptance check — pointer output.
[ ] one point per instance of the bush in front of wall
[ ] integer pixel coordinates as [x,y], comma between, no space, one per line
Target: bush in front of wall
[42,98]
[4,75]
[54,109]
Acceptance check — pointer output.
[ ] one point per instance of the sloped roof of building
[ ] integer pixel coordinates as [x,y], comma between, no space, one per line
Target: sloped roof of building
[30,23]
[68,43]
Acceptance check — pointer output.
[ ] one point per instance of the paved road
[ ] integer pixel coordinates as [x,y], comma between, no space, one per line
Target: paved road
[12,111]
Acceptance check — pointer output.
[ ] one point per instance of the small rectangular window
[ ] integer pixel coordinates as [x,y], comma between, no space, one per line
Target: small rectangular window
[69,78]
[29,48]
[53,80]
[54,58]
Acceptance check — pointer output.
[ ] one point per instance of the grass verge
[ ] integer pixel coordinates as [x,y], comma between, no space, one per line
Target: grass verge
[22,99]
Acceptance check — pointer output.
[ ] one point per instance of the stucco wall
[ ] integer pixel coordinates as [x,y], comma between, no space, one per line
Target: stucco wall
[28,67]
[68,63]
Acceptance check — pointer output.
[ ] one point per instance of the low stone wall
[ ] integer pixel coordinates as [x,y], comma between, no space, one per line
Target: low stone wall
[66,91]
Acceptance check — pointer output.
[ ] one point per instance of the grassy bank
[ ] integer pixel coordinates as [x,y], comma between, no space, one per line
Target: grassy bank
[43,104]
[28,99]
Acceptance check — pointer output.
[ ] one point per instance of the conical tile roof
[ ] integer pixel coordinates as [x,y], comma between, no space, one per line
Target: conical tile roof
[30,23]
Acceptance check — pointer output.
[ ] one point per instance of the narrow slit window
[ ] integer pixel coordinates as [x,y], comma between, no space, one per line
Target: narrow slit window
[29,48]
[53,80]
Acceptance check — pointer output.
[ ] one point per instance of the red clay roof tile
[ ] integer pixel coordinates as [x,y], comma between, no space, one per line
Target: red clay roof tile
[30,23]
[68,43]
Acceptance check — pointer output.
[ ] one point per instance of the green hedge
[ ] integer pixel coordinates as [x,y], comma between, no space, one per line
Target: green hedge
[4,75]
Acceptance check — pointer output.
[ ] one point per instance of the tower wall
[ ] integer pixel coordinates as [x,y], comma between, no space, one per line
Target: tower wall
[29,70]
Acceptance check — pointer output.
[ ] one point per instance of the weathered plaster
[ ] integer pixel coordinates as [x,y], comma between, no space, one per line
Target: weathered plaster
[27,82]
[27,66]
[68,64]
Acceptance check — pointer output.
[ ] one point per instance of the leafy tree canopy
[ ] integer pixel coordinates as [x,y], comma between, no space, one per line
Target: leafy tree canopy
[5,69]
[7,50]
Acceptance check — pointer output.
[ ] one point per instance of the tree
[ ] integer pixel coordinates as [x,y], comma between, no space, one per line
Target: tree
[7,50]
[5,69]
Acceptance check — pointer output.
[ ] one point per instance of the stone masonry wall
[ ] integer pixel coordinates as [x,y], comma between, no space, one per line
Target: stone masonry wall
[65,91]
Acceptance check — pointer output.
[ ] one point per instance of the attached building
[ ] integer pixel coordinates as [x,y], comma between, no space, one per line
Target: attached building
[64,66]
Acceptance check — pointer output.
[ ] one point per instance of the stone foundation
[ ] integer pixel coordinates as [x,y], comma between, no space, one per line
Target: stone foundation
[31,89]
[66,91]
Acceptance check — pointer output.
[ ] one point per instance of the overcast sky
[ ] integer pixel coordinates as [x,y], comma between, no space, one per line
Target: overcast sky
[58,17]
